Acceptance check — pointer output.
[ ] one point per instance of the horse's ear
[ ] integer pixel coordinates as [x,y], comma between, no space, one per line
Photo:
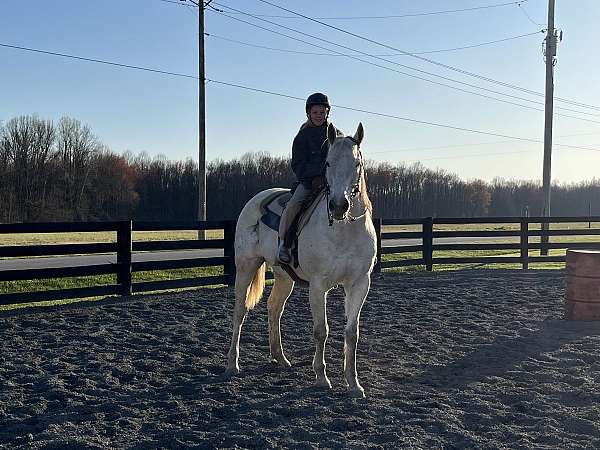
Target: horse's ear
[331,133]
[360,133]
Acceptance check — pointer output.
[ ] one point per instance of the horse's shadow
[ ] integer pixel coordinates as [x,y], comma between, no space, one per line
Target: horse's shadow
[505,354]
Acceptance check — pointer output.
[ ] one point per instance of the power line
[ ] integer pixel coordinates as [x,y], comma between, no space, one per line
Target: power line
[398,64]
[381,54]
[180,3]
[196,4]
[437,63]
[398,16]
[406,119]
[472,155]
[191,8]
[528,16]
[349,108]
[584,105]
[476,144]
[579,134]
[128,66]
[439,147]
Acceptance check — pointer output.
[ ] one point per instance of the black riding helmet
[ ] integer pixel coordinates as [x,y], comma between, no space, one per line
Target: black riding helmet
[317,99]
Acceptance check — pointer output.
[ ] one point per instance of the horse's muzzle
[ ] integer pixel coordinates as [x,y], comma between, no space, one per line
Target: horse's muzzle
[339,209]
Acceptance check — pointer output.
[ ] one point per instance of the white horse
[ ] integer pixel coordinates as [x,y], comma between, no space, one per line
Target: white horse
[336,247]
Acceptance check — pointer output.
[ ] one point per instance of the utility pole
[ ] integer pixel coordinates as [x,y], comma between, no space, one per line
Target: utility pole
[550,55]
[201,122]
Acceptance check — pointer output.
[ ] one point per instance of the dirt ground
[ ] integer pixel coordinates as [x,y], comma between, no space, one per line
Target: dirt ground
[468,359]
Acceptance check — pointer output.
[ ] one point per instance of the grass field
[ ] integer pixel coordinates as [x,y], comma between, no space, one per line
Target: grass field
[107,236]
[94,237]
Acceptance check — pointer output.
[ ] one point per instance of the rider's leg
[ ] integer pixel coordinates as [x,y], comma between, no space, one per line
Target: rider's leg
[289,214]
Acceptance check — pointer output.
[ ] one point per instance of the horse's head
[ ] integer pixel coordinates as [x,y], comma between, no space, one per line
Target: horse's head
[345,171]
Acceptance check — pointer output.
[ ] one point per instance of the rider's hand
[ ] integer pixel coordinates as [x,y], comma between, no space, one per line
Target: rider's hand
[317,182]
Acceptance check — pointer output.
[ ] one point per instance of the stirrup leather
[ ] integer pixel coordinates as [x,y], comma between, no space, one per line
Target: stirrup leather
[284,255]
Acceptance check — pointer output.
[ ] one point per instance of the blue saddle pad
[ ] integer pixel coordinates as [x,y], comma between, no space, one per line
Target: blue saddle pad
[273,208]
[271,220]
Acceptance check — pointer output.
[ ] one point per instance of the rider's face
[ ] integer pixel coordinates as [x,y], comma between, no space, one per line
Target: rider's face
[318,114]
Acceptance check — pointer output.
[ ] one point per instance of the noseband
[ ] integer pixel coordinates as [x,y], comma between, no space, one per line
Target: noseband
[355,187]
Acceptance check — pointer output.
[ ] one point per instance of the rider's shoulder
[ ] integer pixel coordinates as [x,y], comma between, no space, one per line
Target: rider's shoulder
[304,127]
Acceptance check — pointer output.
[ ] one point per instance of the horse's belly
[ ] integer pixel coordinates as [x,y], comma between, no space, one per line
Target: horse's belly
[337,263]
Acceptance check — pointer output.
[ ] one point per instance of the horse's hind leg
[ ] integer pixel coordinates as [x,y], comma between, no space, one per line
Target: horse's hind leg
[282,288]
[320,331]
[355,297]
[245,271]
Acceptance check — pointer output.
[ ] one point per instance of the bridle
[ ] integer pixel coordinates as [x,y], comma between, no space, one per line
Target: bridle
[355,190]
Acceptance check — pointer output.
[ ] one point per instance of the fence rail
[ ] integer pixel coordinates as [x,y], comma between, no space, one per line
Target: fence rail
[425,243]
[432,240]
[123,248]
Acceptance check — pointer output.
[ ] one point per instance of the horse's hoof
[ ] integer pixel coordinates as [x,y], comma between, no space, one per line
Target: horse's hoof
[281,362]
[357,392]
[323,383]
[230,372]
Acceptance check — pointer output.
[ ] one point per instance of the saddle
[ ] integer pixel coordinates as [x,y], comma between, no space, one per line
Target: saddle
[272,209]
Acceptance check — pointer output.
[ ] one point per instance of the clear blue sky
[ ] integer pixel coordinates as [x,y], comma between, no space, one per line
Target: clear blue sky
[142,111]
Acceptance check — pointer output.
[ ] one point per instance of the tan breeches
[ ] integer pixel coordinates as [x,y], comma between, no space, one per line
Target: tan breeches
[292,208]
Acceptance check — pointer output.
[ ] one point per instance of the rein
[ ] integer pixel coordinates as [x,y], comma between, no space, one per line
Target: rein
[355,187]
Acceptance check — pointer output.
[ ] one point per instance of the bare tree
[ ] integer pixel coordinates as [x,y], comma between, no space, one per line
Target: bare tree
[26,153]
[76,145]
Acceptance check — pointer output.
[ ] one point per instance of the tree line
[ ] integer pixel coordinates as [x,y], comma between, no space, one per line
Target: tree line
[62,172]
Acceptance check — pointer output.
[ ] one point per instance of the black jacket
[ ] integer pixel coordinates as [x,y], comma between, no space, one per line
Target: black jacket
[309,153]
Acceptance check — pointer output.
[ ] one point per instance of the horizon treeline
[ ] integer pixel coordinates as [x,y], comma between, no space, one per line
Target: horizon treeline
[62,172]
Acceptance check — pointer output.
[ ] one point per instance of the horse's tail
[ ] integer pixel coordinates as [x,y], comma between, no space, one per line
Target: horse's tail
[257,286]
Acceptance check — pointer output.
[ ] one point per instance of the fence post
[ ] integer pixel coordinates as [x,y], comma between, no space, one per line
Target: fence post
[544,238]
[428,243]
[377,224]
[229,251]
[124,257]
[524,243]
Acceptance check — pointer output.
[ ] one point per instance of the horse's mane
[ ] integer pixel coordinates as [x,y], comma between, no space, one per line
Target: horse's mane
[363,192]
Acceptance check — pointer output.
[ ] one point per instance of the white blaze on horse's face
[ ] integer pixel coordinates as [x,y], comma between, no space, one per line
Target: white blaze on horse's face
[343,170]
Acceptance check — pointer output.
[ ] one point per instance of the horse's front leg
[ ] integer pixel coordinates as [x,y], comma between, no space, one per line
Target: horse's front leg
[318,298]
[355,297]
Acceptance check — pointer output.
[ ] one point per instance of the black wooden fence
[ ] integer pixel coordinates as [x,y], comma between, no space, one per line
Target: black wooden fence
[124,267]
[522,240]
[425,242]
